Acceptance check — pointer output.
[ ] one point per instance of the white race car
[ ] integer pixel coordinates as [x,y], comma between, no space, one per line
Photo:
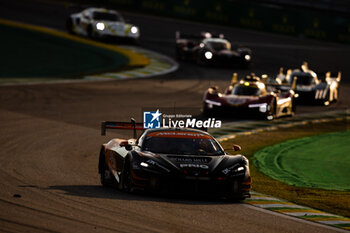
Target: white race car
[101,23]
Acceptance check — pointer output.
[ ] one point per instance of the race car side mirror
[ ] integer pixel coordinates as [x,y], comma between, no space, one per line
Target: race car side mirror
[213,90]
[236,147]
[126,145]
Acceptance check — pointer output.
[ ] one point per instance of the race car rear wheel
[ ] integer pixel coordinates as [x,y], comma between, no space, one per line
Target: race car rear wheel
[178,55]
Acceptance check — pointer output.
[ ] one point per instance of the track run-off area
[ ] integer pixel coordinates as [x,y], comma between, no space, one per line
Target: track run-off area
[316,162]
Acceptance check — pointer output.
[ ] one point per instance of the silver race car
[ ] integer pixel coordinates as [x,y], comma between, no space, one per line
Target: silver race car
[98,23]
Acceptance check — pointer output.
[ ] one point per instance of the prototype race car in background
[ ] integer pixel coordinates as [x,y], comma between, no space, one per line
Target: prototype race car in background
[309,87]
[250,96]
[179,160]
[209,49]
[101,23]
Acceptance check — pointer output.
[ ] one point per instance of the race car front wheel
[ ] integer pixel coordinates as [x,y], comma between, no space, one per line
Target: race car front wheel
[271,110]
[90,32]
[69,26]
[206,110]
[178,55]
[294,109]
[127,179]
[234,195]
[103,170]
[199,58]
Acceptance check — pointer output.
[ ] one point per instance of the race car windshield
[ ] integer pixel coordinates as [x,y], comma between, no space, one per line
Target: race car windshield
[106,16]
[218,46]
[306,79]
[182,146]
[246,90]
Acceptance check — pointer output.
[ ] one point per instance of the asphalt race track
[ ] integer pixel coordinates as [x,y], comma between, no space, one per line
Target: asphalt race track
[50,136]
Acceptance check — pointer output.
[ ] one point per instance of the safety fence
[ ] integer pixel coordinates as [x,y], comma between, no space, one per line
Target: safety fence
[297,21]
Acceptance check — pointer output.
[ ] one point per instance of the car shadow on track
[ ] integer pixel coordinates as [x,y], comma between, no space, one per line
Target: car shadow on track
[97,191]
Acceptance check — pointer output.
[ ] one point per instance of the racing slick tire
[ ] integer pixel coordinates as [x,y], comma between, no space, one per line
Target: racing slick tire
[69,26]
[90,32]
[102,167]
[126,178]
[178,55]
[294,106]
[232,196]
[270,115]
[199,60]
[206,111]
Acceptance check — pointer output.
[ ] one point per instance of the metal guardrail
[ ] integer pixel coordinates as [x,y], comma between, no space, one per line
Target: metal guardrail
[328,5]
[311,20]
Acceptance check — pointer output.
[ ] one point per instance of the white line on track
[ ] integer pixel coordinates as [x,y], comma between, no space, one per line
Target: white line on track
[295,219]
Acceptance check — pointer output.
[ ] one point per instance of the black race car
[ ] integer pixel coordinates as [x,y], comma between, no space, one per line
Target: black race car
[179,160]
[310,88]
[209,49]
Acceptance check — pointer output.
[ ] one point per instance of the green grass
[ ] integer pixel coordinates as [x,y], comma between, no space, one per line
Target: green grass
[337,202]
[321,161]
[26,53]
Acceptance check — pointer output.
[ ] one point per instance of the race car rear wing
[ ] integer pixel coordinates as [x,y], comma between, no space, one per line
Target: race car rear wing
[132,125]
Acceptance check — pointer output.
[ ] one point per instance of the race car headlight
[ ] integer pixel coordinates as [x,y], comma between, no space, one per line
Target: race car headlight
[210,102]
[235,170]
[134,30]
[100,26]
[262,107]
[239,169]
[153,165]
[247,57]
[208,55]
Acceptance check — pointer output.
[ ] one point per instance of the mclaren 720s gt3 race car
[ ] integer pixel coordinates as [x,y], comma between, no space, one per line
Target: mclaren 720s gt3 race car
[176,160]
